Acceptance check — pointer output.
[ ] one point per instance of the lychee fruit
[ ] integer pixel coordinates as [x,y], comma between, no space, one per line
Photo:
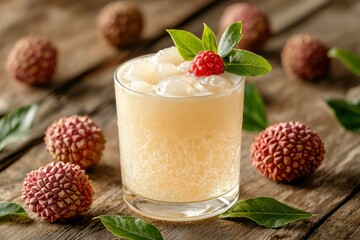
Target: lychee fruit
[120,23]
[32,60]
[58,191]
[305,57]
[286,151]
[75,139]
[255,25]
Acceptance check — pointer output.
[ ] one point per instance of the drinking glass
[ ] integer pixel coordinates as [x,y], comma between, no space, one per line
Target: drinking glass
[179,156]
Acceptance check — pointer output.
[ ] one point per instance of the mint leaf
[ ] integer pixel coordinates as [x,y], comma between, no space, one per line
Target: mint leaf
[209,39]
[230,39]
[245,63]
[187,43]
[266,212]
[8,208]
[130,227]
[15,124]
[254,116]
[347,113]
[351,61]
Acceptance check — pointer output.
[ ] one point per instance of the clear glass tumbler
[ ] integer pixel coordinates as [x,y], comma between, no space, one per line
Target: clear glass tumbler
[179,156]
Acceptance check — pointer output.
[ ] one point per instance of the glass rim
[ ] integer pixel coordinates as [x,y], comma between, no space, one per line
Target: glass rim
[126,88]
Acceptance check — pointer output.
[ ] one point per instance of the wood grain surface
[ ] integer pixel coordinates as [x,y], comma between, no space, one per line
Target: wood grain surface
[88,88]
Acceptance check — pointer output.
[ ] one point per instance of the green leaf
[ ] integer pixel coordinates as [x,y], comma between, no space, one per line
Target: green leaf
[130,227]
[16,123]
[254,117]
[8,208]
[187,43]
[347,113]
[245,63]
[230,39]
[209,39]
[266,212]
[351,61]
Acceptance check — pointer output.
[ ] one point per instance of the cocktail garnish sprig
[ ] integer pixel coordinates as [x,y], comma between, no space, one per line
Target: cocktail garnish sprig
[236,61]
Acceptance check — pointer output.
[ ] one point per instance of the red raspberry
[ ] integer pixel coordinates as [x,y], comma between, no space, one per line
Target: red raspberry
[207,63]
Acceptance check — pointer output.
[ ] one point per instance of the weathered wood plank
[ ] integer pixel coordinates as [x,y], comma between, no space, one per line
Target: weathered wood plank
[343,224]
[287,99]
[294,14]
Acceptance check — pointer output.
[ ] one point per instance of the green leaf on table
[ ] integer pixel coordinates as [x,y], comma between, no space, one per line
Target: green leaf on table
[349,59]
[230,39]
[130,228]
[254,116]
[16,123]
[9,208]
[266,212]
[186,43]
[245,63]
[347,113]
[209,39]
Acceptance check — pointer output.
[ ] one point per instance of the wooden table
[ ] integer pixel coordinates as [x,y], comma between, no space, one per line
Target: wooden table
[84,85]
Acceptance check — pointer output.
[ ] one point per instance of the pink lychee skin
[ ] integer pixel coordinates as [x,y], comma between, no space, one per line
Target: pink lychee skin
[305,57]
[32,60]
[286,151]
[120,23]
[75,139]
[255,25]
[58,191]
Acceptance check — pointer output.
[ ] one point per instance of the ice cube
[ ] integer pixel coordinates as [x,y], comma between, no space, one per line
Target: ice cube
[175,87]
[184,67]
[143,70]
[213,84]
[203,93]
[168,55]
[166,70]
[141,86]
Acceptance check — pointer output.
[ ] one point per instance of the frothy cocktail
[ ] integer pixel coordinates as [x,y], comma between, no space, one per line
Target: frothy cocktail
[180,137]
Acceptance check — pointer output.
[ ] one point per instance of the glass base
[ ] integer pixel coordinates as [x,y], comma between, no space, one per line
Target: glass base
[180,212]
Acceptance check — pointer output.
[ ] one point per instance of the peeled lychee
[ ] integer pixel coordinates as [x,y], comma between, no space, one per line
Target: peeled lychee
[255,25]
[75,139]
[120,23]
[286,151]
[305,57]
[58,191]
[32,60]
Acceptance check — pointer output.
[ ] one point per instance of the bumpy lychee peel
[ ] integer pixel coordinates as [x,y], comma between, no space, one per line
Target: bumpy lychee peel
[305,57]
[75,139]
[58,191]
[286,151]
[255,25]
[120,23]
[32,60]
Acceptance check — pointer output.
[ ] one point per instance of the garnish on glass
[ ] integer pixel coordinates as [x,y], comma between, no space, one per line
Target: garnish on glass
[210,59]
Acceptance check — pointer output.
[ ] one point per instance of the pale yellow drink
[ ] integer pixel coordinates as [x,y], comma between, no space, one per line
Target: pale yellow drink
[180,136]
